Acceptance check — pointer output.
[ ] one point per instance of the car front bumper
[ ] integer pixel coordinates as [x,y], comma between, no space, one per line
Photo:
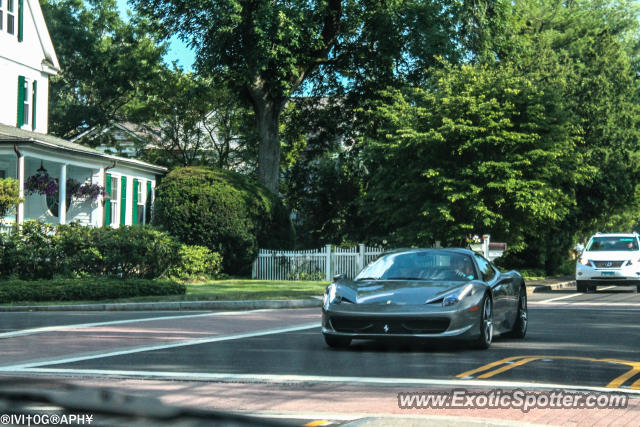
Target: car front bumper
[626,275]
[362,321]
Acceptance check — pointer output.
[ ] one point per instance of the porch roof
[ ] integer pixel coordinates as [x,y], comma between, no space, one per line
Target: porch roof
[14,135]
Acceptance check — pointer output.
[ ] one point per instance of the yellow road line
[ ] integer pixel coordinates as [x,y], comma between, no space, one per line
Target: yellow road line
[488,366]
[615,383]
[511,366]
[624,377]
[317,423]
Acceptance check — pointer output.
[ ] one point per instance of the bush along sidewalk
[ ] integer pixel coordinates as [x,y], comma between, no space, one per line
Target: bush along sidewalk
[13,291]
[40,251]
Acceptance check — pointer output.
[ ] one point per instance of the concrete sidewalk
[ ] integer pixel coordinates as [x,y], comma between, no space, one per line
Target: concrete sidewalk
[550,284]
[172,306]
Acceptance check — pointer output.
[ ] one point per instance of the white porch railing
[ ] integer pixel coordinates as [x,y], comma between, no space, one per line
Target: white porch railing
[315,264]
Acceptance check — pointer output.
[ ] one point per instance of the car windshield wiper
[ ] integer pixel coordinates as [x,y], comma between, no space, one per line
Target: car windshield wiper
[367,278]
[404,278]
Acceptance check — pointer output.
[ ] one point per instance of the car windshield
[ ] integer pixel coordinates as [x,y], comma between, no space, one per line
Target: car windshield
[423,265]
[612,243]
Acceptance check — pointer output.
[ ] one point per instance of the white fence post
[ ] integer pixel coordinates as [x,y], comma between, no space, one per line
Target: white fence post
[360,264]
[327,275]
[485,245]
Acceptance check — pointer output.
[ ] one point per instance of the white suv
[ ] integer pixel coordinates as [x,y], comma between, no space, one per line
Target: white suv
[609,259]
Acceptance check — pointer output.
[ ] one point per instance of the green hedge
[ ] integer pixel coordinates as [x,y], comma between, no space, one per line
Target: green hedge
[224,211]
[41,251]
[12,291]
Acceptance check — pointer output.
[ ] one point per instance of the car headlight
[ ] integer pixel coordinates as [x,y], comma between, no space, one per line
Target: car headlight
[584,261]
[458,296]
[331,296]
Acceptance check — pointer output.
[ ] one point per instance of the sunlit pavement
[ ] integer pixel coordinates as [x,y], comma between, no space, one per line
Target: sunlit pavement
[275,362]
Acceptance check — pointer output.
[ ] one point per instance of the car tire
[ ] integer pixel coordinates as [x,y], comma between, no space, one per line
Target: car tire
[483,341]
[334,341]
[522,316]
[581,286]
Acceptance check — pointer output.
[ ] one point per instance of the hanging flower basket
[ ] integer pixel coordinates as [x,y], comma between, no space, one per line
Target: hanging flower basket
[43,183]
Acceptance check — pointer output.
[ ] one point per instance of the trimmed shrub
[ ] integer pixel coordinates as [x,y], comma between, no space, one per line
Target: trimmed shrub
[196,261]
[136,251]
[223,211]
[13,291]
[30,253]
[41,251]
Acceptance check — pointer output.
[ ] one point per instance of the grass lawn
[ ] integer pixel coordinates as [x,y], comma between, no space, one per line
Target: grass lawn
[231,289]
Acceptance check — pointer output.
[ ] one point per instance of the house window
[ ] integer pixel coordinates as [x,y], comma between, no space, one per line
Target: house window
[142,205]
[115,202]
[11,16]
[27,103]
[3,174]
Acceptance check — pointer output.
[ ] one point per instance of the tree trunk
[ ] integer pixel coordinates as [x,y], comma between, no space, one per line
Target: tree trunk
[268,119]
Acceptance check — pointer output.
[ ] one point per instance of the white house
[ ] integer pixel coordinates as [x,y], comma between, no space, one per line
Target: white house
[27,59]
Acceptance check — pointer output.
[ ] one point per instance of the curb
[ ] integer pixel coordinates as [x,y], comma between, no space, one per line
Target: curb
[173,306]
[533,288]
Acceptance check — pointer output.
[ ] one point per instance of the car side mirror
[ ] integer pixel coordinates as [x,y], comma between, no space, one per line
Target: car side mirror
[579,247]
[338,277]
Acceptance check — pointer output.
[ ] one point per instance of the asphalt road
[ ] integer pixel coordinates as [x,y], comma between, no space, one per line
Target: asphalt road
[15,321]
[574,340]
[569,335]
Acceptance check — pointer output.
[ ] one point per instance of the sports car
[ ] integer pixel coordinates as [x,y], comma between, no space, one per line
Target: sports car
[426,294]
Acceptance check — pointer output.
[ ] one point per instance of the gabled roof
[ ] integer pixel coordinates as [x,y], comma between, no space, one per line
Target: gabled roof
[13,135]
[50,65]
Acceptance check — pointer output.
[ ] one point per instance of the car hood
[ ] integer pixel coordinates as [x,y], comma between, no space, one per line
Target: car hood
[395,291]
[611,255]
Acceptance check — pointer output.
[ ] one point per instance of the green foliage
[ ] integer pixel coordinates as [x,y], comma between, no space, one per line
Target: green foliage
[12,291]
[200,122]
[9,197]
[41,251]
[223,211]
[196,261]
[141,252]
[29,253]
[476,153]
[108,65]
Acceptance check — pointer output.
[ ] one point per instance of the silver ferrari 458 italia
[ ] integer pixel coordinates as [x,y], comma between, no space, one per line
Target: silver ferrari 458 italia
[426,294]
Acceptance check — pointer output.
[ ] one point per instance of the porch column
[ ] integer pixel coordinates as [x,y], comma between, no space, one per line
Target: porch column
[62,193]
[20,174]
[98,221]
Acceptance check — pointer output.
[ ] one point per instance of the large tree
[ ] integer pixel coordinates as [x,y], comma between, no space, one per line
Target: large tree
[264,49]
[267,50]
[108,65]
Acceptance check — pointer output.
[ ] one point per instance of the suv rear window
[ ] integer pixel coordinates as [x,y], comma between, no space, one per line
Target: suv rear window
[611,243]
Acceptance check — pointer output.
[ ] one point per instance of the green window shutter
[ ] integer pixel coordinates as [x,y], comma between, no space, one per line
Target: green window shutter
[20,101]
[149,203]
[134,215]
[107,218]
[123,200]
[20,19]
[33,105]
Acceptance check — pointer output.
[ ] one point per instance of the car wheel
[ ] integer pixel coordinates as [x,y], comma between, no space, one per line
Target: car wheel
[486,324]
[581,286]
[520,326]
[337,342]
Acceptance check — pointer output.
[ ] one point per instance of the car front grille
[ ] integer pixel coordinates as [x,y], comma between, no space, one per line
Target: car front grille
[390,326]
[608,264]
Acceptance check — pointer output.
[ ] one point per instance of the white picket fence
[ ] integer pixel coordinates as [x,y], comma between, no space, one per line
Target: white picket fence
[315,264]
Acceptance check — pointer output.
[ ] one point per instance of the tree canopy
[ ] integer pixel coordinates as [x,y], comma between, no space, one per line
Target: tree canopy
[108,65]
